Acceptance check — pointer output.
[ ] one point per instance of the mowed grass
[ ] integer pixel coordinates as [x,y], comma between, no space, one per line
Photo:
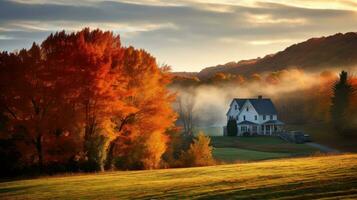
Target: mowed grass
[329,177]
[263,143]
[235,154]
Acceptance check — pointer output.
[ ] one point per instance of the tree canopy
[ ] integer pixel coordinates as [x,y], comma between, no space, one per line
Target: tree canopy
[83,90]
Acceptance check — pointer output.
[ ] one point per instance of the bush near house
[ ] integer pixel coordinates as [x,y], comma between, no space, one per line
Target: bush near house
[232,127]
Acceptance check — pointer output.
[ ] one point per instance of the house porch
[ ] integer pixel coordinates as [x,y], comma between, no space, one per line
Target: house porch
[271,127]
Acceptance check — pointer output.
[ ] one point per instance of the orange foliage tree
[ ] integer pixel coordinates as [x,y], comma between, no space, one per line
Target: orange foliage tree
[100,97]
[154,113]
[199,153]
[32,99]
[93,64]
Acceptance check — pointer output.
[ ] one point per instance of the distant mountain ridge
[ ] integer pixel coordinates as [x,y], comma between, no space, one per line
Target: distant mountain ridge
[314,54]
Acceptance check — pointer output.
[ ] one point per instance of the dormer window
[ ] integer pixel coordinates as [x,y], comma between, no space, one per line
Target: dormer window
[243,117]
[235,107]
[256,117]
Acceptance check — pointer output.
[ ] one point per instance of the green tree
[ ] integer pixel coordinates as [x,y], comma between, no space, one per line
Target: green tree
[232,128]
[342,92]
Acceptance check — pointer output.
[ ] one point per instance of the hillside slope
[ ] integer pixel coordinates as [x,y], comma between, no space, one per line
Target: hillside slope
[338,50]
[332,177]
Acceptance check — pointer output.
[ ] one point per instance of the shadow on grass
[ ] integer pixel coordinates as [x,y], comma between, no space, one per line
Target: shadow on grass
[16,189]
[300,190]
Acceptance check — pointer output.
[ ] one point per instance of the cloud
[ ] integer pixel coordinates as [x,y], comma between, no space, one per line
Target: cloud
[184,33]
[125,28]
[268,42]
[269,19]
[4,37]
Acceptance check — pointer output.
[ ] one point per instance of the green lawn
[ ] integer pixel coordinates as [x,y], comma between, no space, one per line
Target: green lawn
[235,154]
[230,149]
[331,177]
[264,144]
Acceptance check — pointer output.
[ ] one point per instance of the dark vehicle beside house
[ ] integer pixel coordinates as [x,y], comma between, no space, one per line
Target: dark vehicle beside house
[297,137]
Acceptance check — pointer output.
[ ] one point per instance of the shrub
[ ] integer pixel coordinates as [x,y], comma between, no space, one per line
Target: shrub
[232,127]
[177,144]
[199,153]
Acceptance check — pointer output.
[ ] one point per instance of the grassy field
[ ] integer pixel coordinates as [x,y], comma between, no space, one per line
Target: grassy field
[261,143]
[235,154]
[331,177]
[230,149]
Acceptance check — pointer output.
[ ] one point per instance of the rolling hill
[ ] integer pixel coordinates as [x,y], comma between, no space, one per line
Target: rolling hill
[339,50]
[325,177]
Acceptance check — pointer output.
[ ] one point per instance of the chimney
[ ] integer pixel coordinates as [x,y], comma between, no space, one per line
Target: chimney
[260,97]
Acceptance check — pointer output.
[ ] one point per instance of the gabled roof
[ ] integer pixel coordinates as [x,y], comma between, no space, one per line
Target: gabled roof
[263,106]
[240,102]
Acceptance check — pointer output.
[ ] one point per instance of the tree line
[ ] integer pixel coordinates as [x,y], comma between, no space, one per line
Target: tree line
[82,102]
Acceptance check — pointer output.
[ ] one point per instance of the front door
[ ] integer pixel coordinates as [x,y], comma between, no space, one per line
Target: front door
[254,129]
[267,132]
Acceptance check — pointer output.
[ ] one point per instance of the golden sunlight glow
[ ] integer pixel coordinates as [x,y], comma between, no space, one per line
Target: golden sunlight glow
[267,42]
[313,4]
[269,19]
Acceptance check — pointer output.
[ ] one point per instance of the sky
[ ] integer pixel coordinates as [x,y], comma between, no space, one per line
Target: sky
[188,35]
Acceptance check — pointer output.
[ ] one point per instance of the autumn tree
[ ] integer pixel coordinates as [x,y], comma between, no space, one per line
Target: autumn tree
[255,77]
[93,64]
[83,94]
[219,77]
[177,144]
[199,153]
[32,98]
[239,79]
[273,78]
[154,114]
[120,92]
[154,147]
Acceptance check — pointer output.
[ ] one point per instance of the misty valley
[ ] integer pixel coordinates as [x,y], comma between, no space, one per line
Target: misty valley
[186,99]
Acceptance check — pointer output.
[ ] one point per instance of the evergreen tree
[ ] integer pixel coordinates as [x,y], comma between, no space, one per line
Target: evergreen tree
[232,127]
[342,92]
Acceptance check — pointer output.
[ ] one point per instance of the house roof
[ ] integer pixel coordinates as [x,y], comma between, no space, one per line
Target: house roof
[263,106]
[245,122]
[240,102]
[275,122]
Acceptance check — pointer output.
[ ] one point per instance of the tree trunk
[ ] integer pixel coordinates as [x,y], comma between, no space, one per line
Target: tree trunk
[39,151]
[110,156]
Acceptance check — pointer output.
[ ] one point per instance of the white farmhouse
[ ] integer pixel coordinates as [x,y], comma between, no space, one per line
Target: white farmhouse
[254,116]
